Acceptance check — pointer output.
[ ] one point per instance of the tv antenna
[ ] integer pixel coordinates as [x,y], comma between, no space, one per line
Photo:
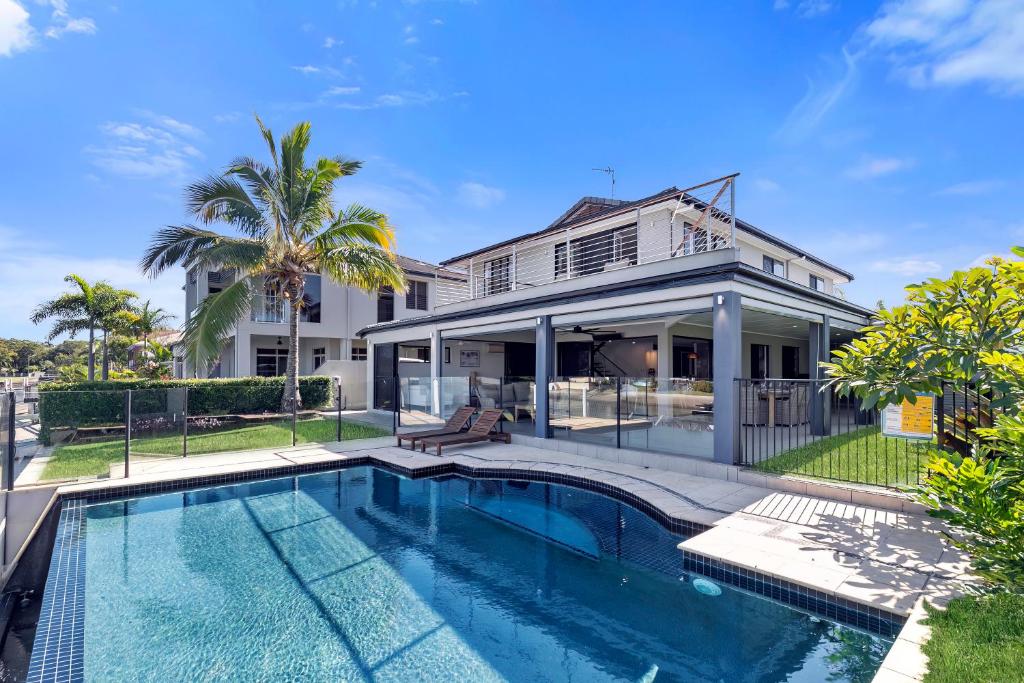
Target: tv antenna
[610,171]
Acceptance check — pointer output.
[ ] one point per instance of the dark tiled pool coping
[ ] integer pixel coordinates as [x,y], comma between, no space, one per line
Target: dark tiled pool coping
[57,653]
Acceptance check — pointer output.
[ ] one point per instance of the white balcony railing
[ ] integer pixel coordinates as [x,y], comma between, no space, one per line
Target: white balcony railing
[270,309]
[699,221]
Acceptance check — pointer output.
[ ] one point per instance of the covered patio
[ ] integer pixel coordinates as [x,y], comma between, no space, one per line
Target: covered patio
[669,378]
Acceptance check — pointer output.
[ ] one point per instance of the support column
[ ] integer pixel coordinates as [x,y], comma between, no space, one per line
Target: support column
[243,355]
[436,366]
[727,337]
[544,368]
[819,403]
[664,370]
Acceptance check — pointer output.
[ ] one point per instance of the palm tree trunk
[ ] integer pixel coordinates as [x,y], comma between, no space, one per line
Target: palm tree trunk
[106,360]
[92,354]
[291,383]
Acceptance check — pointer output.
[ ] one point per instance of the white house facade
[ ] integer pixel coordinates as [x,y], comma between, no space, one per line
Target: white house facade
[639,321]
[329,343]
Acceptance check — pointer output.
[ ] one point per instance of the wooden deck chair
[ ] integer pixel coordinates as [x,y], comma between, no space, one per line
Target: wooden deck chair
[482,430]
[455,424]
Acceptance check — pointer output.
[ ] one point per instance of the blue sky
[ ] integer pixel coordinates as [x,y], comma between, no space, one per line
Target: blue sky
[884,137]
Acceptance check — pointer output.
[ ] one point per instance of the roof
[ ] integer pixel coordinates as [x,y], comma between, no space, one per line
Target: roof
[416,267]
[590,209]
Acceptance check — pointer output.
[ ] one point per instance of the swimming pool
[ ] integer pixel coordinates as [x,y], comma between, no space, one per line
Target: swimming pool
[362,574]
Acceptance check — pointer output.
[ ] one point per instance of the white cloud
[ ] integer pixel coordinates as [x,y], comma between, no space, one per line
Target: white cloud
[806,8]
[342,90]
[400,99]
[62,22]
[227,117]
[16,33]
[39,268]
[907,267]
[818,101]
[437,22]
[953,42]
[876,167]
[331,41]
[972,188]
[766,185]
[146,150]
[478,195]
[307,69]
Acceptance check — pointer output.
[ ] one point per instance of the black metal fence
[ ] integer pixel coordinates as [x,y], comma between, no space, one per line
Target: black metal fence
[802,427]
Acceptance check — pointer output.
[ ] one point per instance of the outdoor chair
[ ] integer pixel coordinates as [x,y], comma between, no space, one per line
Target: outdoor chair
[482,430]
[455,424]
[793,411]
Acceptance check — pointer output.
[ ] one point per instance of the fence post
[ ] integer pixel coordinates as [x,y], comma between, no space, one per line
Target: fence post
[9,463]
[184,431]
[501,402]
[396,396]
[127,429]
[339,411]
[618,412]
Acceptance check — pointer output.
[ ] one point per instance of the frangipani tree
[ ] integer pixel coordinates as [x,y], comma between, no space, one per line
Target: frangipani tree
[961,333]
[285,227]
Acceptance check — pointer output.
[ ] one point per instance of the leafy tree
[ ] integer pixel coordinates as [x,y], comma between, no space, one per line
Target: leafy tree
[117,321]
[286,227]
[148,319]
[962,333]
[84,309]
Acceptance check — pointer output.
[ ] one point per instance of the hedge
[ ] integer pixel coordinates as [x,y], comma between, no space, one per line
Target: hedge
[83,404]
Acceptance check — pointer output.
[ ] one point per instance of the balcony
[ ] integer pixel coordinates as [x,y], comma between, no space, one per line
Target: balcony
[270,309]
[683,226]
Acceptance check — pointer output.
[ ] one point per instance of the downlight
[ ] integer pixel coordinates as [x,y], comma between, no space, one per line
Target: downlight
[706,587]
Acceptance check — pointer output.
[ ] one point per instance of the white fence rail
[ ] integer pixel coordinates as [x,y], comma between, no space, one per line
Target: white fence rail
[701,220]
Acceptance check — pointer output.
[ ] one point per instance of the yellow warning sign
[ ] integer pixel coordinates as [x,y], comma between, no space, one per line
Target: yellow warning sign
[910,420]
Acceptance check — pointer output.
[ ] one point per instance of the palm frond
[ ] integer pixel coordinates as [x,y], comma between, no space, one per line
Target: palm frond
[175,245]
[348,166]
[215,317]
[268,137]
[364,266]
[218,198]
[356,224]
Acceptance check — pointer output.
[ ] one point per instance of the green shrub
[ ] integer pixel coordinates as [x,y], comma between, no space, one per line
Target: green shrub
[82,404]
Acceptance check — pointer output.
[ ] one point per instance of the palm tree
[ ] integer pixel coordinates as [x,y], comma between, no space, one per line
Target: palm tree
[118,318]
[81,310]
[287,227]
[147,320]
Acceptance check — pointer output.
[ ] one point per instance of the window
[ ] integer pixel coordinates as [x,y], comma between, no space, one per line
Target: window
[624,245]
[416,297]
[319,356]
[271,362]
[561,260]
[385,305]
[759,366]
[496,275]
[310,311]
[774,266]
[358,353]
[817,283]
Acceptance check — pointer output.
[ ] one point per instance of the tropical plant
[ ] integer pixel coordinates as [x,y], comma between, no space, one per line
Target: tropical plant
[287,228]
[963,333]
[156,360]
[147,320]
[85,309]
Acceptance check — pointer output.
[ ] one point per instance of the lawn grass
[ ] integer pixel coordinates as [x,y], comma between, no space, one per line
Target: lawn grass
[862,455]
[93,459]
[977,639]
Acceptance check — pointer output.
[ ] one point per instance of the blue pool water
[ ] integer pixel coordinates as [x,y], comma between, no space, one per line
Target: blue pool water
[364,575]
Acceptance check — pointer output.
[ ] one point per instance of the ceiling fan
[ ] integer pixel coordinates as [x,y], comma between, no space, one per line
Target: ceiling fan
[597,334]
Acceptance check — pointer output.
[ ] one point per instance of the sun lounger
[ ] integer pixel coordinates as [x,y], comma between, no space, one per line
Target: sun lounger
[455,424]
[482,430]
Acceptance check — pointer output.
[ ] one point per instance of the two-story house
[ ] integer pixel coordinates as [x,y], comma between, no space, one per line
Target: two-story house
[672,295]
[330,320]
